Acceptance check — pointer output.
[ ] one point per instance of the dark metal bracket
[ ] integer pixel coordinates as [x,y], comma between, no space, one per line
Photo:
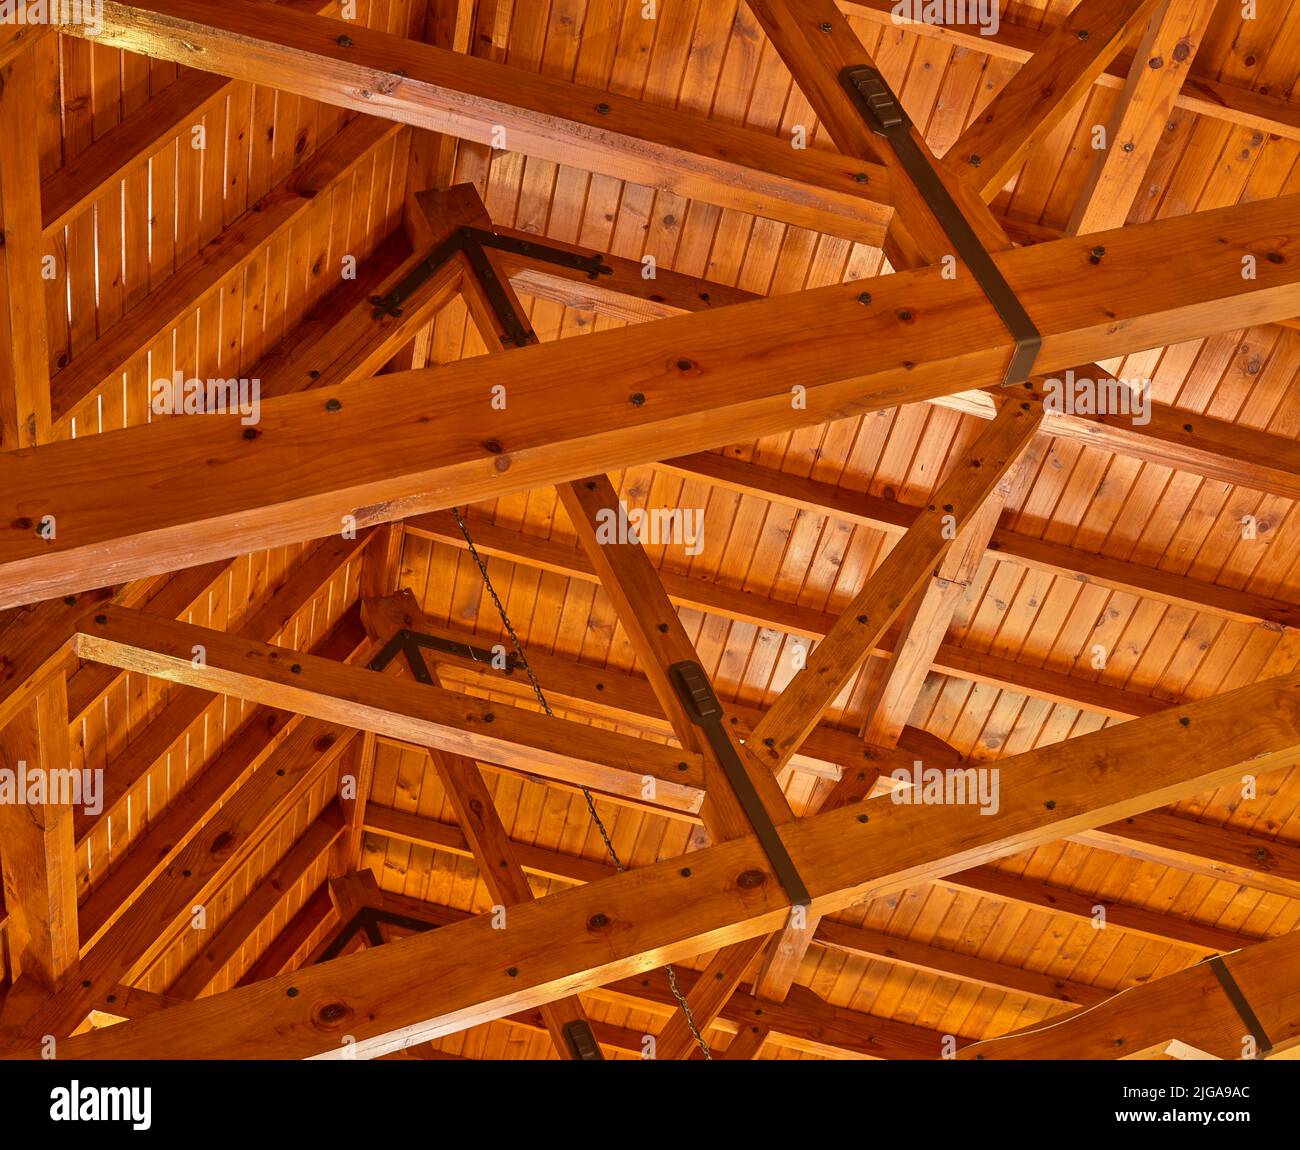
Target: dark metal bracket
[884,115]
[696,692]
[1239,1004]
[582,1042]
[367,920]
[473,241]
[412,644]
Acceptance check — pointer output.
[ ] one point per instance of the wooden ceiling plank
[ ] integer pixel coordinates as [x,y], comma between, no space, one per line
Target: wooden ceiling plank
[1038,97]
[816,43]
[316,917]
[472,98]
[313,845]
[397,457]
[24,351]
[1191,1006]
[469,973]
[36,843]
[1162,60]
[178,296]
[324,689]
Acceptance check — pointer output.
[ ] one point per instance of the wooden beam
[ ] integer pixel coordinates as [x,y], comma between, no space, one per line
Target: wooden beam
[1038,97]
[468,973]
[392,447]
[1162,60]
[495,104]
[24,348]
[1191,1006]
[336,693]
[36,844]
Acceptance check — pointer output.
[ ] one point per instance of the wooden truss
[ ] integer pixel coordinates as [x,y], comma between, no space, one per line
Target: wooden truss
[342,442]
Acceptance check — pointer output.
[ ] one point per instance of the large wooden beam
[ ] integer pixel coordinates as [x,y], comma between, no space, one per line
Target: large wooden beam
[24,351]
[388,448]
[468,973]
[1193,1006]
[278,677]
[490,103]
[36,843]
[1038,96]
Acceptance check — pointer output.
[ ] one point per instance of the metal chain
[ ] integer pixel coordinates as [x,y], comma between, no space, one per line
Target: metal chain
[586,794]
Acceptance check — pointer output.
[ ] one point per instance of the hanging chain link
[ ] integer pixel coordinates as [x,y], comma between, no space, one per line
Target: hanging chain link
[586,794]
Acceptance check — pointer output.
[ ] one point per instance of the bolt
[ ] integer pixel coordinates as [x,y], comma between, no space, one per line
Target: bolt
[1187,427]
[862,619]
[1083,35]
[864,297]
[1127,147]
[292,992]
[905,315]
[333,405]
[296,668]
[489,717]
[862,818]
[860,177]
[683,767]
[663,627]
[1050,804]
[1185,721]
[250,433]
[101,618]
[314,374]
[596,921]
[638,399]
[685,872]
[512,971]
[591,485]
[603,109]
[826,26]
[974,161]
[345,41]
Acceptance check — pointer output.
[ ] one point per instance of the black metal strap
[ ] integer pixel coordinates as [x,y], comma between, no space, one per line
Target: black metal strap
[885,116]
[409,643]
[582,1042]
[1243,1008]
[472,241]
[696,692]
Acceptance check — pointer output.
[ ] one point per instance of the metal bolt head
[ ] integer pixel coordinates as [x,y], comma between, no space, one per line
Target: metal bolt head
[637,399]
[860,177]
[826,26]
[974,161]
[1082,34]
[345,41]
[864,297]
[603,109]
[333,405]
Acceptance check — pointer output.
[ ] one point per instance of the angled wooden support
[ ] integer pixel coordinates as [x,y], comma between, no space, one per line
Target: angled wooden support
[976,474]
[468,973]
[921,580]
[1242,1005]
[1038,96]
[1161,62]
[37,850]
[388,448]
[489,840]
[24,353]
